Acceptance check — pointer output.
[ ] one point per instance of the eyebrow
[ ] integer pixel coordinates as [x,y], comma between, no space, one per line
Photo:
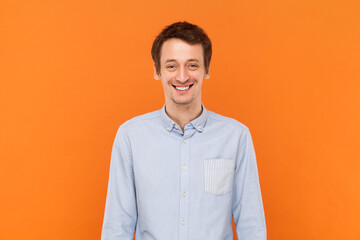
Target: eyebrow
[189,60]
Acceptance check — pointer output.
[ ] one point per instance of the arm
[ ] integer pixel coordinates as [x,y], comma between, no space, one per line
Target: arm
[120,210]
[247,209]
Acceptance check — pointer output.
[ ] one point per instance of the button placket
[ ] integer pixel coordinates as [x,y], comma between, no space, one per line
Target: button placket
[184,189]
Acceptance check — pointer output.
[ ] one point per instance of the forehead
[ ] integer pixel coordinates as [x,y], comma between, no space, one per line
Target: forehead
[180,50]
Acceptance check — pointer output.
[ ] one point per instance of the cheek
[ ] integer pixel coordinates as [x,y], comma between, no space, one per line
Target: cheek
[165,81]
[167,78]
[197,76]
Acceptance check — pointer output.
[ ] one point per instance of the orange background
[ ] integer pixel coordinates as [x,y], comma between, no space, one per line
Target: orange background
[72,71]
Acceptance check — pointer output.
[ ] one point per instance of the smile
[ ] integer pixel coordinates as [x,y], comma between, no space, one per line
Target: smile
[184,88]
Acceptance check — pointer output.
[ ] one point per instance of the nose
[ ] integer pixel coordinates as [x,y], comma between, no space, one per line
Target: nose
[182,74]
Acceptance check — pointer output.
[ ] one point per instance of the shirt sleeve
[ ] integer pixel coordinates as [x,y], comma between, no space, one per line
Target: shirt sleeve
[247,208]
[120,210]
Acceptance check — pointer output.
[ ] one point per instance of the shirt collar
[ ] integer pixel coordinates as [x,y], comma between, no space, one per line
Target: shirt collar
[198,123]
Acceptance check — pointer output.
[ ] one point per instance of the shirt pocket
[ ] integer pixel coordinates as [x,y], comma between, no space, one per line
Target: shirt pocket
[219,175]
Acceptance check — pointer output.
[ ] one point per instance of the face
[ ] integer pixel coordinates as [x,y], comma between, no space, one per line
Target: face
[182,72]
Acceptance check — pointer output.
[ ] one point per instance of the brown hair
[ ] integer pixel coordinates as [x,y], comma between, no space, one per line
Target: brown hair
[187,32]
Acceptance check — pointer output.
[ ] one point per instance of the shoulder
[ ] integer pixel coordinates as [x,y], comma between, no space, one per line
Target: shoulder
[226,121]
[230,127]
[139,123]
[140,120]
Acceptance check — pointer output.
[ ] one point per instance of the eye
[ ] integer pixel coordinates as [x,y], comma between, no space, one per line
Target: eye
[170,67]
[193,66]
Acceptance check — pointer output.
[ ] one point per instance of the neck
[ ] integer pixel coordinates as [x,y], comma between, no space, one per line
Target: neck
[183,114]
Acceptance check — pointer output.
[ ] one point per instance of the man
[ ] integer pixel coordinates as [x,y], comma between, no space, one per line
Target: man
[183,172]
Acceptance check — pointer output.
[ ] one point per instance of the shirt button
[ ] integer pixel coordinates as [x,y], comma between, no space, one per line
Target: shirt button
[176,127]
[183,222]
[184,167]
[184,141]
[184,194]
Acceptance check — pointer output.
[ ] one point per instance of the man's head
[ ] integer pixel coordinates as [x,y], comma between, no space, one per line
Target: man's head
[187,32]
[181,54]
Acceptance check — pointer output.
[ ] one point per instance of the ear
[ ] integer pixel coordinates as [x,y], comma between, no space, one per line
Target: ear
[156,74]
[207,74]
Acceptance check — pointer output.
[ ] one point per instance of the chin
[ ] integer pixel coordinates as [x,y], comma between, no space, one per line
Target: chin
[179,102]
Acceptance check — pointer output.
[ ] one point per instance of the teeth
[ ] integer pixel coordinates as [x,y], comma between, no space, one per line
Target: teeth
[182,88]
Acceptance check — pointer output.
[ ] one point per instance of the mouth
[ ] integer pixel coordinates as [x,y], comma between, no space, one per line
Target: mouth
[183,88]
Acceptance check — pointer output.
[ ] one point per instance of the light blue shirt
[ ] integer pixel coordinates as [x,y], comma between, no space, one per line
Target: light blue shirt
[169,185]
